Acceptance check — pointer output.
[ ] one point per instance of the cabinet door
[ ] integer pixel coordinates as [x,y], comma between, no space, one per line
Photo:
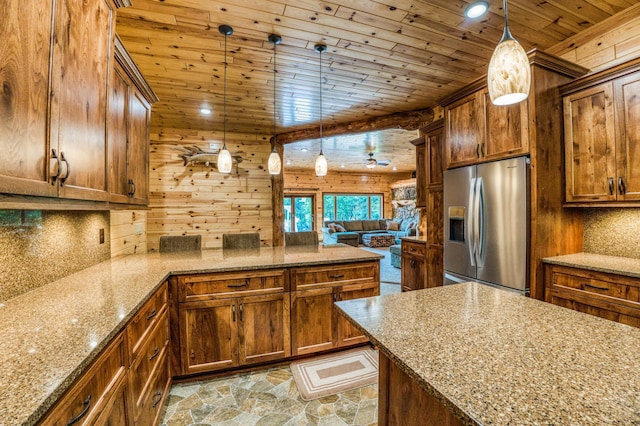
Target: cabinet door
[413,272]
[25,35]
[209,335]
[589,134]
[627,96]
[464,131]
[435,218]
[434,161]
[434,267]
[116,412]
[507,130]
[421,176]
[264,328]
[79,95]
[138,148]
[347,333]
[312,325]
[118,139]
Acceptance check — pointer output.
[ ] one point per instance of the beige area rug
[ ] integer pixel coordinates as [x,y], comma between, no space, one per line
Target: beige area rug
[334,373]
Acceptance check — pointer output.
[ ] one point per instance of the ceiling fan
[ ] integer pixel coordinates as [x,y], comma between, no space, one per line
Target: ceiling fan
[372,162]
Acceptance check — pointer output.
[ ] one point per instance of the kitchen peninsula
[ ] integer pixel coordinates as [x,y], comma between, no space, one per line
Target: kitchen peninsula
[471,354]
[50,336]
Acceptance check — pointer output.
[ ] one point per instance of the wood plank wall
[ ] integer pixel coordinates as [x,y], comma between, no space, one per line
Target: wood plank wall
[196,199]
[128,232]
[300,181]
[606,44]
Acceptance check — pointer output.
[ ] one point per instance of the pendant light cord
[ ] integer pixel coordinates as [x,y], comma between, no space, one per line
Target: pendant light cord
[224,102]
[321,140]
[275,45]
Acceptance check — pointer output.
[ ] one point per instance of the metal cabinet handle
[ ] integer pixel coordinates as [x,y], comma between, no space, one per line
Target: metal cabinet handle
[245,284]
[155,353]
[340,296]
[241,312]
[482,149]
[233,313]
[478,150]
[621,188]
[54,156]
[610,186]
[85,410]
[152,314]
[335,277]
[132,188]
[595,286]
[413,263]
[66,176]
[335,297]
[159,398]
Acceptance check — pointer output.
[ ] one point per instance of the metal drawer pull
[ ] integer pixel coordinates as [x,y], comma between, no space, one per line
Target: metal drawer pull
[66,176]
[478,150]
[621,188]
[155,353]
[595,286]
[54,156]
[152,314]
[335,277]
[245,284]
[159,398]
[87,405]
[610,186]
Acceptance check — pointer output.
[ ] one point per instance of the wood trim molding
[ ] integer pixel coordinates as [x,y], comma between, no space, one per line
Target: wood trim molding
[131,69]
[408,120]
[418,141]
[594,79]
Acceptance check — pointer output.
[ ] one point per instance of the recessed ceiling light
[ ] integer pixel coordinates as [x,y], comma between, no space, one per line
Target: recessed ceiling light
[205,111]
[476,9]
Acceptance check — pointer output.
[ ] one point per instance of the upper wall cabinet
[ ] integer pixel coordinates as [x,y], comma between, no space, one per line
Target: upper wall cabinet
[130,112]
[479,131]
[421,168]
[57,63]
[602,137]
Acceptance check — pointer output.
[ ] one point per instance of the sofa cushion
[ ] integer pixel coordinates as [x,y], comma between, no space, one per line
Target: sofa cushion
[382,223]
[370,225]
[392,226]
[353,225]
[339,228]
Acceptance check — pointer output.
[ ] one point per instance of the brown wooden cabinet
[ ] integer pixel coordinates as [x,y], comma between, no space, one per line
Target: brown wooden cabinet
[611,296]
[421,172]
[602,139]
[479,131]
[232,319]
[414,264]
[130,110]
[316,324]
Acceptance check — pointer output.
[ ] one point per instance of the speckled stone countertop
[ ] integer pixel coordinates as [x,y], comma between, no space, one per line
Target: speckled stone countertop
[498,358]
[50,335]
[598,262]
[413,238]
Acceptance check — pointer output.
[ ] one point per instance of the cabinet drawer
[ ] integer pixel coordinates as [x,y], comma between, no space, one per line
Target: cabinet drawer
[87,398]
[151,355]
[315,276]
[602,287]
[414,248]
[211,286]
[152,400]
[145,320]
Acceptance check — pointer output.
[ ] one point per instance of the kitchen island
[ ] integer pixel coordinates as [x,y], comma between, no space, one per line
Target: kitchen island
[51,335]
[471,354]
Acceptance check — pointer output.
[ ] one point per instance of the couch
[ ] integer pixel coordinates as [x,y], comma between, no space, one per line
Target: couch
[332,229]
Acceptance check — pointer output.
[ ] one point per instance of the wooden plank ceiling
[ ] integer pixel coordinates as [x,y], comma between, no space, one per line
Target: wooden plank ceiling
[383,56]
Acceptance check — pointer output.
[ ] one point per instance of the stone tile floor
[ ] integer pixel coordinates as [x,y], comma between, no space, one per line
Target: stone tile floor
[265,398]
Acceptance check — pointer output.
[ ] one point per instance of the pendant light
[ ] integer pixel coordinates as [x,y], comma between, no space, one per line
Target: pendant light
[321,161]
[274,164]
[224,156]
[509,75]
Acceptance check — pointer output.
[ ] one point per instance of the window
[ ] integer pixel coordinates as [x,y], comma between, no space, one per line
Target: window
[298,213]
[352,206]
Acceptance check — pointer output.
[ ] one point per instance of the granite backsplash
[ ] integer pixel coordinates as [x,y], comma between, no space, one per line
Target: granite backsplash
[612,232]
[37,247]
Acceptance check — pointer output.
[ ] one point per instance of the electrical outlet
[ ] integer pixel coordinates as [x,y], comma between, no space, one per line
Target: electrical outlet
[101,235]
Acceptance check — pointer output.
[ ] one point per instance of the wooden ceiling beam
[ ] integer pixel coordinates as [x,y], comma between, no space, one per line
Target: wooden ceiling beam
[409,120]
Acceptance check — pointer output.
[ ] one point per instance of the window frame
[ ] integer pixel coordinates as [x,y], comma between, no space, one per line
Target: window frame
[354,194]
[293,196]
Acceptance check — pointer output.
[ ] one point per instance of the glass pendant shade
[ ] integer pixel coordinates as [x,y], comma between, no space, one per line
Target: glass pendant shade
[274,163]
[509,74]
[224,160]
[321,165]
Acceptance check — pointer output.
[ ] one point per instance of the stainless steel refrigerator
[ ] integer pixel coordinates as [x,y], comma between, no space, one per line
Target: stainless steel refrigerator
[486,224]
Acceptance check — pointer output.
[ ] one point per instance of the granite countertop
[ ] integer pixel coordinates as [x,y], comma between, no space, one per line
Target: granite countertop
[598,262]
[413,238]
[498,358]
[50,335]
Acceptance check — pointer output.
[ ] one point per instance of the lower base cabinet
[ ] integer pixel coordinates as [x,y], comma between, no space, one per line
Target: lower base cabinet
[403,402]
[610,296]
[414,265]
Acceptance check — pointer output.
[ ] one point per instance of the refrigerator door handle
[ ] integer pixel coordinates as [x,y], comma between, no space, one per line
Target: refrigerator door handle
[480,225]
[471,240]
